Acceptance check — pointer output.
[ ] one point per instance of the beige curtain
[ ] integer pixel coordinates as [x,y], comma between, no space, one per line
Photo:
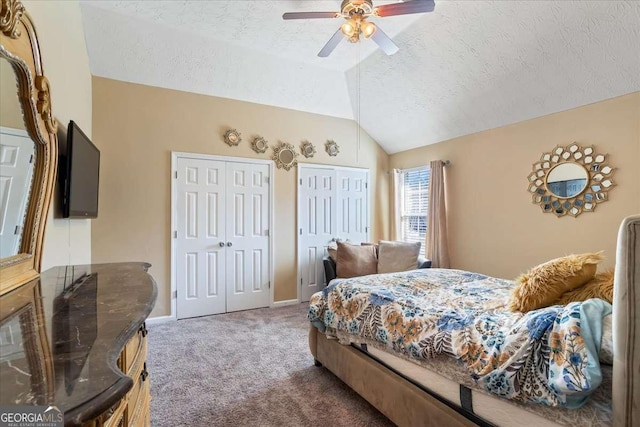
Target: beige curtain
[395,203]
[437,247]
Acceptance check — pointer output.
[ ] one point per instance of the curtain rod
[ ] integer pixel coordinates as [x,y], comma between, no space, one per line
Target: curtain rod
[444,162]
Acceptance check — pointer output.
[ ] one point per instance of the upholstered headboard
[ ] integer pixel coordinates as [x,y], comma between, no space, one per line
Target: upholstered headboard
[626,325]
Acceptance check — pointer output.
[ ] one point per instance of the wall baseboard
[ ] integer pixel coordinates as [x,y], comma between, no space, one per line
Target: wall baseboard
[277,304]
[160,319]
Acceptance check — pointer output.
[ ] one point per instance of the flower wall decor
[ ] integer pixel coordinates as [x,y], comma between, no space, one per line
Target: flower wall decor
[331,148]
[232,137]
[570,180]
[285,156]
[259,144]
[308,149]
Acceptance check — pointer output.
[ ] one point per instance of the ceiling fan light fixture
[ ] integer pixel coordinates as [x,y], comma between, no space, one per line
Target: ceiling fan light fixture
[356,13]
[349,28]
[368,29]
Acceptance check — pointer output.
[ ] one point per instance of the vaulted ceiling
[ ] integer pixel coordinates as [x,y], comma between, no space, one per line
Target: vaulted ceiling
[466,67]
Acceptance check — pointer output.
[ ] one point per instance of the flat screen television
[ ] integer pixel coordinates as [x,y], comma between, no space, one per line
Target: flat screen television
[82,172]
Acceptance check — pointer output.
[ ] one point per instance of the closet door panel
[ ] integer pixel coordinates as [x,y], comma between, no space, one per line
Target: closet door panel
[200,238]
[317,219]
[247,212]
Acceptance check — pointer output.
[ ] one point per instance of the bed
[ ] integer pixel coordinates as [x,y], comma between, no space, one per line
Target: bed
[413,390]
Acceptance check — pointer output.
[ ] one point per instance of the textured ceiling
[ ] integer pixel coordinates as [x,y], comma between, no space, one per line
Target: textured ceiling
[467,67]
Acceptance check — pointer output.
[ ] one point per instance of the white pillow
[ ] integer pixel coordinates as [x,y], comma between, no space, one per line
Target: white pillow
[397,256]
[606,343]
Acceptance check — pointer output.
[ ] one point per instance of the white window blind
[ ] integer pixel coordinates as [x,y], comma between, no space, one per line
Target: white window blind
[414,205]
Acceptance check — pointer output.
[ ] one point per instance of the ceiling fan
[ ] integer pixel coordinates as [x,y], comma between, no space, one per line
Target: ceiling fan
[356,13]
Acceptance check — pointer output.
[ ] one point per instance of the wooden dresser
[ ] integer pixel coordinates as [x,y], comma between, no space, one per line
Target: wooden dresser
[79,343]
[133,409]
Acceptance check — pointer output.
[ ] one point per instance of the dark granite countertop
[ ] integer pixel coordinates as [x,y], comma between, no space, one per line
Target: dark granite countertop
[61,335]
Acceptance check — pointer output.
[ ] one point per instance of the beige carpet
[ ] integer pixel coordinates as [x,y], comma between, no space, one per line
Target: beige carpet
[250,368]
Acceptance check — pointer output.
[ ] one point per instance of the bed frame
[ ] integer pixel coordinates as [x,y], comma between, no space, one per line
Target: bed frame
[408,405]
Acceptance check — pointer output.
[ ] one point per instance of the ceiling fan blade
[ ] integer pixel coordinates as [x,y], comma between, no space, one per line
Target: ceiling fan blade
[385,42]
[310,15]
[414,6]
[331,44]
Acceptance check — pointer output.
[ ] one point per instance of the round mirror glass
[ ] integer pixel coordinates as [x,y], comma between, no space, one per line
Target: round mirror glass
[17,159]
[286,156]
[567,180]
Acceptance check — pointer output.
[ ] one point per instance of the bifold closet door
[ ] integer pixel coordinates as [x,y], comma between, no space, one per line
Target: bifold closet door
[222,237]
[353,205]
[332,204]
[316,226]
[200,241]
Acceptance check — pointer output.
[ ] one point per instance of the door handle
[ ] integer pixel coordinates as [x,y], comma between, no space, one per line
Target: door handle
[221,244]
[229,244]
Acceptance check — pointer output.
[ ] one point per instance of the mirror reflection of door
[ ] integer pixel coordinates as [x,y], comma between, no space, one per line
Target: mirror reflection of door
[16,171]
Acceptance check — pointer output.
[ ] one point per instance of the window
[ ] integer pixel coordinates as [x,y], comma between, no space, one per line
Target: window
[414,205]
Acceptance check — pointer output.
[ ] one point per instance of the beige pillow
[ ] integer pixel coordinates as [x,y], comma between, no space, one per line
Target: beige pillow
[544,284]
[375,245]
[332,249]
[355,261]
[601,286]
[397,256]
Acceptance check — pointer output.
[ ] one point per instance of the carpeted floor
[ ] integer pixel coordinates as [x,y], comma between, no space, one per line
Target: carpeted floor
[250,368]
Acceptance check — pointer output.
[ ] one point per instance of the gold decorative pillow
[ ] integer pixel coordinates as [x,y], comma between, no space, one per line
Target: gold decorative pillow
[601,286]
[355,261]
[544,284]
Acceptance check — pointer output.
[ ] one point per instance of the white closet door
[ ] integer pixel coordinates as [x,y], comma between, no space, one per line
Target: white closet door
[317,226]
[353,205]
[200,240]
[247,234]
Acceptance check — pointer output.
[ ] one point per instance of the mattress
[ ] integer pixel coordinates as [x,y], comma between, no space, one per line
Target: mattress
[545,356]
[444,378]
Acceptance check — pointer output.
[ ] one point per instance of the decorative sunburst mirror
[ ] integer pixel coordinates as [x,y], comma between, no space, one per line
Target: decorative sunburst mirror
[285,156]
[232,137]
[308,149]
[331,148]
[570,180]
[259,144]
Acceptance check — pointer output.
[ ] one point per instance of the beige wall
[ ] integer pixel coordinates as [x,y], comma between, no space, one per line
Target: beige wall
[137,127]
[493,226]
[66,65]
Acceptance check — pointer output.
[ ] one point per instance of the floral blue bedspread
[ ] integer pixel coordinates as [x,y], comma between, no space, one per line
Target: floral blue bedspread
[548,356]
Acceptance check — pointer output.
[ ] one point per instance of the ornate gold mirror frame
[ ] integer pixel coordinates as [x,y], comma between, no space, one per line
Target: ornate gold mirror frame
[570,180]
[285,156]
[19,45]
[307,149]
